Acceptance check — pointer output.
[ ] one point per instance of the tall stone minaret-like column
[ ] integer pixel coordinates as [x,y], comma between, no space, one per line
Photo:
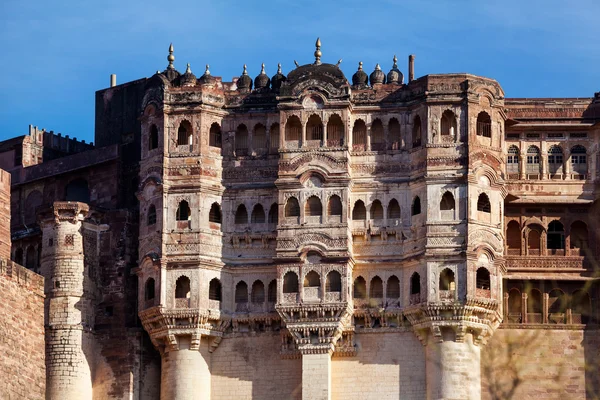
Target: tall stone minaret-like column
[68,308]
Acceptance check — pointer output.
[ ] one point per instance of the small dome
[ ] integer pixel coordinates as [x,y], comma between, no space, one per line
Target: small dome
[171,73]
[395,76]
[360,77]
[188,79]
[206,78]
[377,76]
[262,80]
[244,82]
[277,79]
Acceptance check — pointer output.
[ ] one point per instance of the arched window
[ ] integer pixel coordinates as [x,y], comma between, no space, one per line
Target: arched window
[153,138]
[557,302]
[241,140]
[151,215]
[514,305]
[273,214]
[335,131]
[376,210]
[448,124]
[30,262]
[484,125]
[482,280]
[447,205]
[483,203]
[360,288]
[416,132]
[312,279]
[579,160]
[77,190]
[313,207]
[149,290]
[512,162]
[241,292]
[214,136]
[555,160]
[314,128]
[292,208]
[33,201]
[513,237]
[293,128]
[19,256]
[258,215]
[272,292]
[359,212]
[447,280]
[416,206]
[393,209]
[183,211]
[376,291]
[534,304]
[182,288]
[377,136]
[334,206]
[259,138]
[394,134]
[214,290]
[533,160]
[258,292]
[579,235]
[241,215]
[333,283]
[393,287]
[534,240]
[290,282]
[184,134]
[214,215]
[359,135]
[556,235]
[415,283]
[274,138]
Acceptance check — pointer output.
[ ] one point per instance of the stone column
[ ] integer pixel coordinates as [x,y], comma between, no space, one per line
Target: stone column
[316,376]
[185,372]
[69,312]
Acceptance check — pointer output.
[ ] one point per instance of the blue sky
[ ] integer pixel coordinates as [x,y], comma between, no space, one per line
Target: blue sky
[55,56]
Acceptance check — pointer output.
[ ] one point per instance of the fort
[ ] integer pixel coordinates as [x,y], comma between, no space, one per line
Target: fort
[305,236]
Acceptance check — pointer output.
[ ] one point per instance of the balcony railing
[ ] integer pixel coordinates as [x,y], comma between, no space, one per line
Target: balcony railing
[483,293]
[214,304]
[290,298]
[414,299]
[313,219]
[447,295]
[333,297]
[312,293]
[182,303]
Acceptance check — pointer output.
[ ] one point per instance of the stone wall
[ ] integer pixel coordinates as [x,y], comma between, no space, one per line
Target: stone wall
[22,367]
[5,214]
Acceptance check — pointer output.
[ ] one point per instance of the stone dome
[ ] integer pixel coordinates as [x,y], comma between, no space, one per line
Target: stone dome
[244,82]
[206,78]
[262,80]
[395,76]
[377,76]
[277,79]
[188,78]
[360,77]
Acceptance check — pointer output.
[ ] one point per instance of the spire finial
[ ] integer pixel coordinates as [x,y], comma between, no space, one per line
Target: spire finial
[395,59]
[360,65]
[207,72]
[188,70]
[262,68]
[245,70]
[279,68]
[318,53]
[171,57]
[377,67]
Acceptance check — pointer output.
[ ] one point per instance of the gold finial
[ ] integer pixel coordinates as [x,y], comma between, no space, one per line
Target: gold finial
[338,63]
[279,68]
[171,57]
[318,53]
[296,62]
[262,69]
[395,66]
[188,70]
[360,65]
[245,70]
[207,72]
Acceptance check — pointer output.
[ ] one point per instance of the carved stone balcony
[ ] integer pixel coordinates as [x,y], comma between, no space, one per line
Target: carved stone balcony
[447,295]
[550,263]
[414,299]
[312,294]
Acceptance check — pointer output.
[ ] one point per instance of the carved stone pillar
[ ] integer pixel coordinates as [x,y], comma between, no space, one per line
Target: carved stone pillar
[544,161]
[524,308]
[545,299]
[368,137]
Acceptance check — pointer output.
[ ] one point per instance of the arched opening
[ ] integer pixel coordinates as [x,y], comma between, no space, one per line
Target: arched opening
[312,279]
[292,208]
[241,140]
[513,238]
[183,211]
[259,139]
[258,214]
[514,305]
[393,209]
[393,288]
[416,206]
[290,282]
[293,129]
[77,190]
[533,161]
[334,206]
[359,212]
[272,292]
[241,293]
[333,283]
[149,289]
[512,162]
[18,256]
[30,262]
[415,283]
[534,307]
[360,288]
[483,203]
[482,279]
[556,236]
[579,160]
[377,136]
[447,205]
[273,214]
[214,136]
[376,289]
[274,139]
[151,215]
[448,124]
[241,215]
[359,135]
[579,237]
[555,161]
[335,131]
[557,304]
[214,215]
[376,210]
[32,203]
[581,307]
[484,124]
[153,138]
[314,128]
[447,280]
[258,292]
[394,134]
[182,288]
[416,132]
[313,207]
[214,290]
[534,241]
[184,134]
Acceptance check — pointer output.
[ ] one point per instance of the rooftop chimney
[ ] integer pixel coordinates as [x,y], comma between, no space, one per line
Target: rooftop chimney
[113,80]
[411,68]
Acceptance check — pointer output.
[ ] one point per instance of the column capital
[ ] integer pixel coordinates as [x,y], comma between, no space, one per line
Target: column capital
[64,211]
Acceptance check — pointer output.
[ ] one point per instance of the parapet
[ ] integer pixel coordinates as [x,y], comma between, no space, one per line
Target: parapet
[22,276]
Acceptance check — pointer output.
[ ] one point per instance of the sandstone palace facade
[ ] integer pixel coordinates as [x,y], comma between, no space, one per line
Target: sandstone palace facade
[305,236]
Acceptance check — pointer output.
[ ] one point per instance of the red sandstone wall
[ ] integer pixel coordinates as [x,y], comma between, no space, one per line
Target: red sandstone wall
[22,365]
[4,215]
